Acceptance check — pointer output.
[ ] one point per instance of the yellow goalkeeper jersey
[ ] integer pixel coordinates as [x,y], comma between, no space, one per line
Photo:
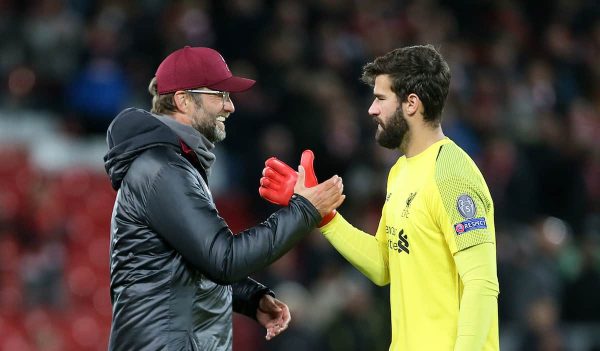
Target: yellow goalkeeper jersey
[437,204]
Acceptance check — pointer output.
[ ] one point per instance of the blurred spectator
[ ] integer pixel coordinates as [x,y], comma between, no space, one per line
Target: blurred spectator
[579,302]
[542,330]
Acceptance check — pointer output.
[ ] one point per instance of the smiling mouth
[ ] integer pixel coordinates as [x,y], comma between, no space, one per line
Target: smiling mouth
[221,119]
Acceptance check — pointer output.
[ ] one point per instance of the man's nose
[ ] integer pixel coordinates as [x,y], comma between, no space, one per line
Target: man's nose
[374,110]
[228,106]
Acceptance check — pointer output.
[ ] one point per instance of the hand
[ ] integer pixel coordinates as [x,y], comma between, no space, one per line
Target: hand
[326,196]
[280,181]
[274,315]
[277,183]
[311,180]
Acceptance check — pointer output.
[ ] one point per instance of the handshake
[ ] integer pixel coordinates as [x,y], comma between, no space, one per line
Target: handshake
[280,182]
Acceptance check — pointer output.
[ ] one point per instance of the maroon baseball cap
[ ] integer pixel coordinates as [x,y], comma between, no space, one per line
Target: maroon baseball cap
[190,68]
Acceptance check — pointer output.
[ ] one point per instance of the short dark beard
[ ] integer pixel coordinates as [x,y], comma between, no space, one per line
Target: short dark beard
[394,132]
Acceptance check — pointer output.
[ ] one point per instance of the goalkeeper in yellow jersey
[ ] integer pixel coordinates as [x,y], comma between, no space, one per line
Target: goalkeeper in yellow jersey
[435,245]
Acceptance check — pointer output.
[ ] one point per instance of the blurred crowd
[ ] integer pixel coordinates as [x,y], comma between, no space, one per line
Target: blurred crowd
[524,103]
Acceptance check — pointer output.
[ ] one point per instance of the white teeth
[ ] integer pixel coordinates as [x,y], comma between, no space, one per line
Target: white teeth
[221,119]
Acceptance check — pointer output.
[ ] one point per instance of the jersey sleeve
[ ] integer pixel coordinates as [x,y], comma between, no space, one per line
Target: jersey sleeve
[463,207]
[479,303]
[364,251]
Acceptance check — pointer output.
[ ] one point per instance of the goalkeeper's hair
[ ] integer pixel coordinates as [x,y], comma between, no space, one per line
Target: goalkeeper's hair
[414,69]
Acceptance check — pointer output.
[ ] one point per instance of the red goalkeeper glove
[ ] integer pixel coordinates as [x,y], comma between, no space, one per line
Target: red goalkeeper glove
[279,179]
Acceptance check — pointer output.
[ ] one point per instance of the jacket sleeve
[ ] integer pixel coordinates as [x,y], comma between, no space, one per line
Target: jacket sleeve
[246,296]
[179,209]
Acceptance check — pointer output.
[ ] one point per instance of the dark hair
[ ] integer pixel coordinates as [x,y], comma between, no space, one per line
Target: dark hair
[414,69]
[164,104]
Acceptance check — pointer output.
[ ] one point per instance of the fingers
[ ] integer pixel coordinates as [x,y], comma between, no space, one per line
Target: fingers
[279,166]
[332,196]
[306,161]
[269,172]
[301,174]
[269,183]
[326,196]
[340,201]
[335,181]
[335,190]
[275,329]
[286,317]
[307,158]
[332,187]
[299,187]
[280,314]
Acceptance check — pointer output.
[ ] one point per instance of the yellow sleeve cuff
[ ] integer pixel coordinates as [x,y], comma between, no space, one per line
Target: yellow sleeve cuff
[329,229]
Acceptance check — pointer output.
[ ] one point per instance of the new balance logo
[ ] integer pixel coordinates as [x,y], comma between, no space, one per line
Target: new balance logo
[403,242]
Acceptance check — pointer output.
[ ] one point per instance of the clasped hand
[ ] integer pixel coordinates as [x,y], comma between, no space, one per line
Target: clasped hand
[280,182]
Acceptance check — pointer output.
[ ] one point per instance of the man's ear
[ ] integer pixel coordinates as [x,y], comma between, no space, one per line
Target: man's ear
[413,104]
[180,100]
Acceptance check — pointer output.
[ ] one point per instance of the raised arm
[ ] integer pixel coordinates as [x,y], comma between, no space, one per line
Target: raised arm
[185,216]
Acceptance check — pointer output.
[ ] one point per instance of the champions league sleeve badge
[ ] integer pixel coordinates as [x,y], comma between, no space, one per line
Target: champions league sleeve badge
[466,206]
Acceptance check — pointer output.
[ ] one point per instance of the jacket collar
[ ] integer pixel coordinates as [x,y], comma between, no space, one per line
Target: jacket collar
[193,139]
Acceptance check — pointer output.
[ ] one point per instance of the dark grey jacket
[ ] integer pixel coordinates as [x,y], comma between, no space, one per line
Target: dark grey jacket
[176,268]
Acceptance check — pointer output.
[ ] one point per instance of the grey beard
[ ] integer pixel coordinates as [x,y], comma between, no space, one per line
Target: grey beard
[211,131]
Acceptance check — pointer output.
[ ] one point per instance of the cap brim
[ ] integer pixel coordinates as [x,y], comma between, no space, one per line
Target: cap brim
[233,84]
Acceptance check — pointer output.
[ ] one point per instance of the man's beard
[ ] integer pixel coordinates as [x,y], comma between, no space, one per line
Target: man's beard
[393,133]
[208,126]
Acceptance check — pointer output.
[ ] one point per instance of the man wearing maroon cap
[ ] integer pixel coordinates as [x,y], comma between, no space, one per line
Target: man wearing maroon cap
[177,271]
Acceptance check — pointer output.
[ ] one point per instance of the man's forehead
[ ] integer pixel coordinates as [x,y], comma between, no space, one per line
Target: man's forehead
[383,84]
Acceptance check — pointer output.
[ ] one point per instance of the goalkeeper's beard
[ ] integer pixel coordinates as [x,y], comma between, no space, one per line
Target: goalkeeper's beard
[394,134]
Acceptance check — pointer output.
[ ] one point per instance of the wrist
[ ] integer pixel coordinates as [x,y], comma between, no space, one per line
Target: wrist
[313,212]
[258,296]
[330,229]
[327,218]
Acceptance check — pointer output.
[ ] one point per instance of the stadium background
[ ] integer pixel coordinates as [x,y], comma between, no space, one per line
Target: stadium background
[524,103]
